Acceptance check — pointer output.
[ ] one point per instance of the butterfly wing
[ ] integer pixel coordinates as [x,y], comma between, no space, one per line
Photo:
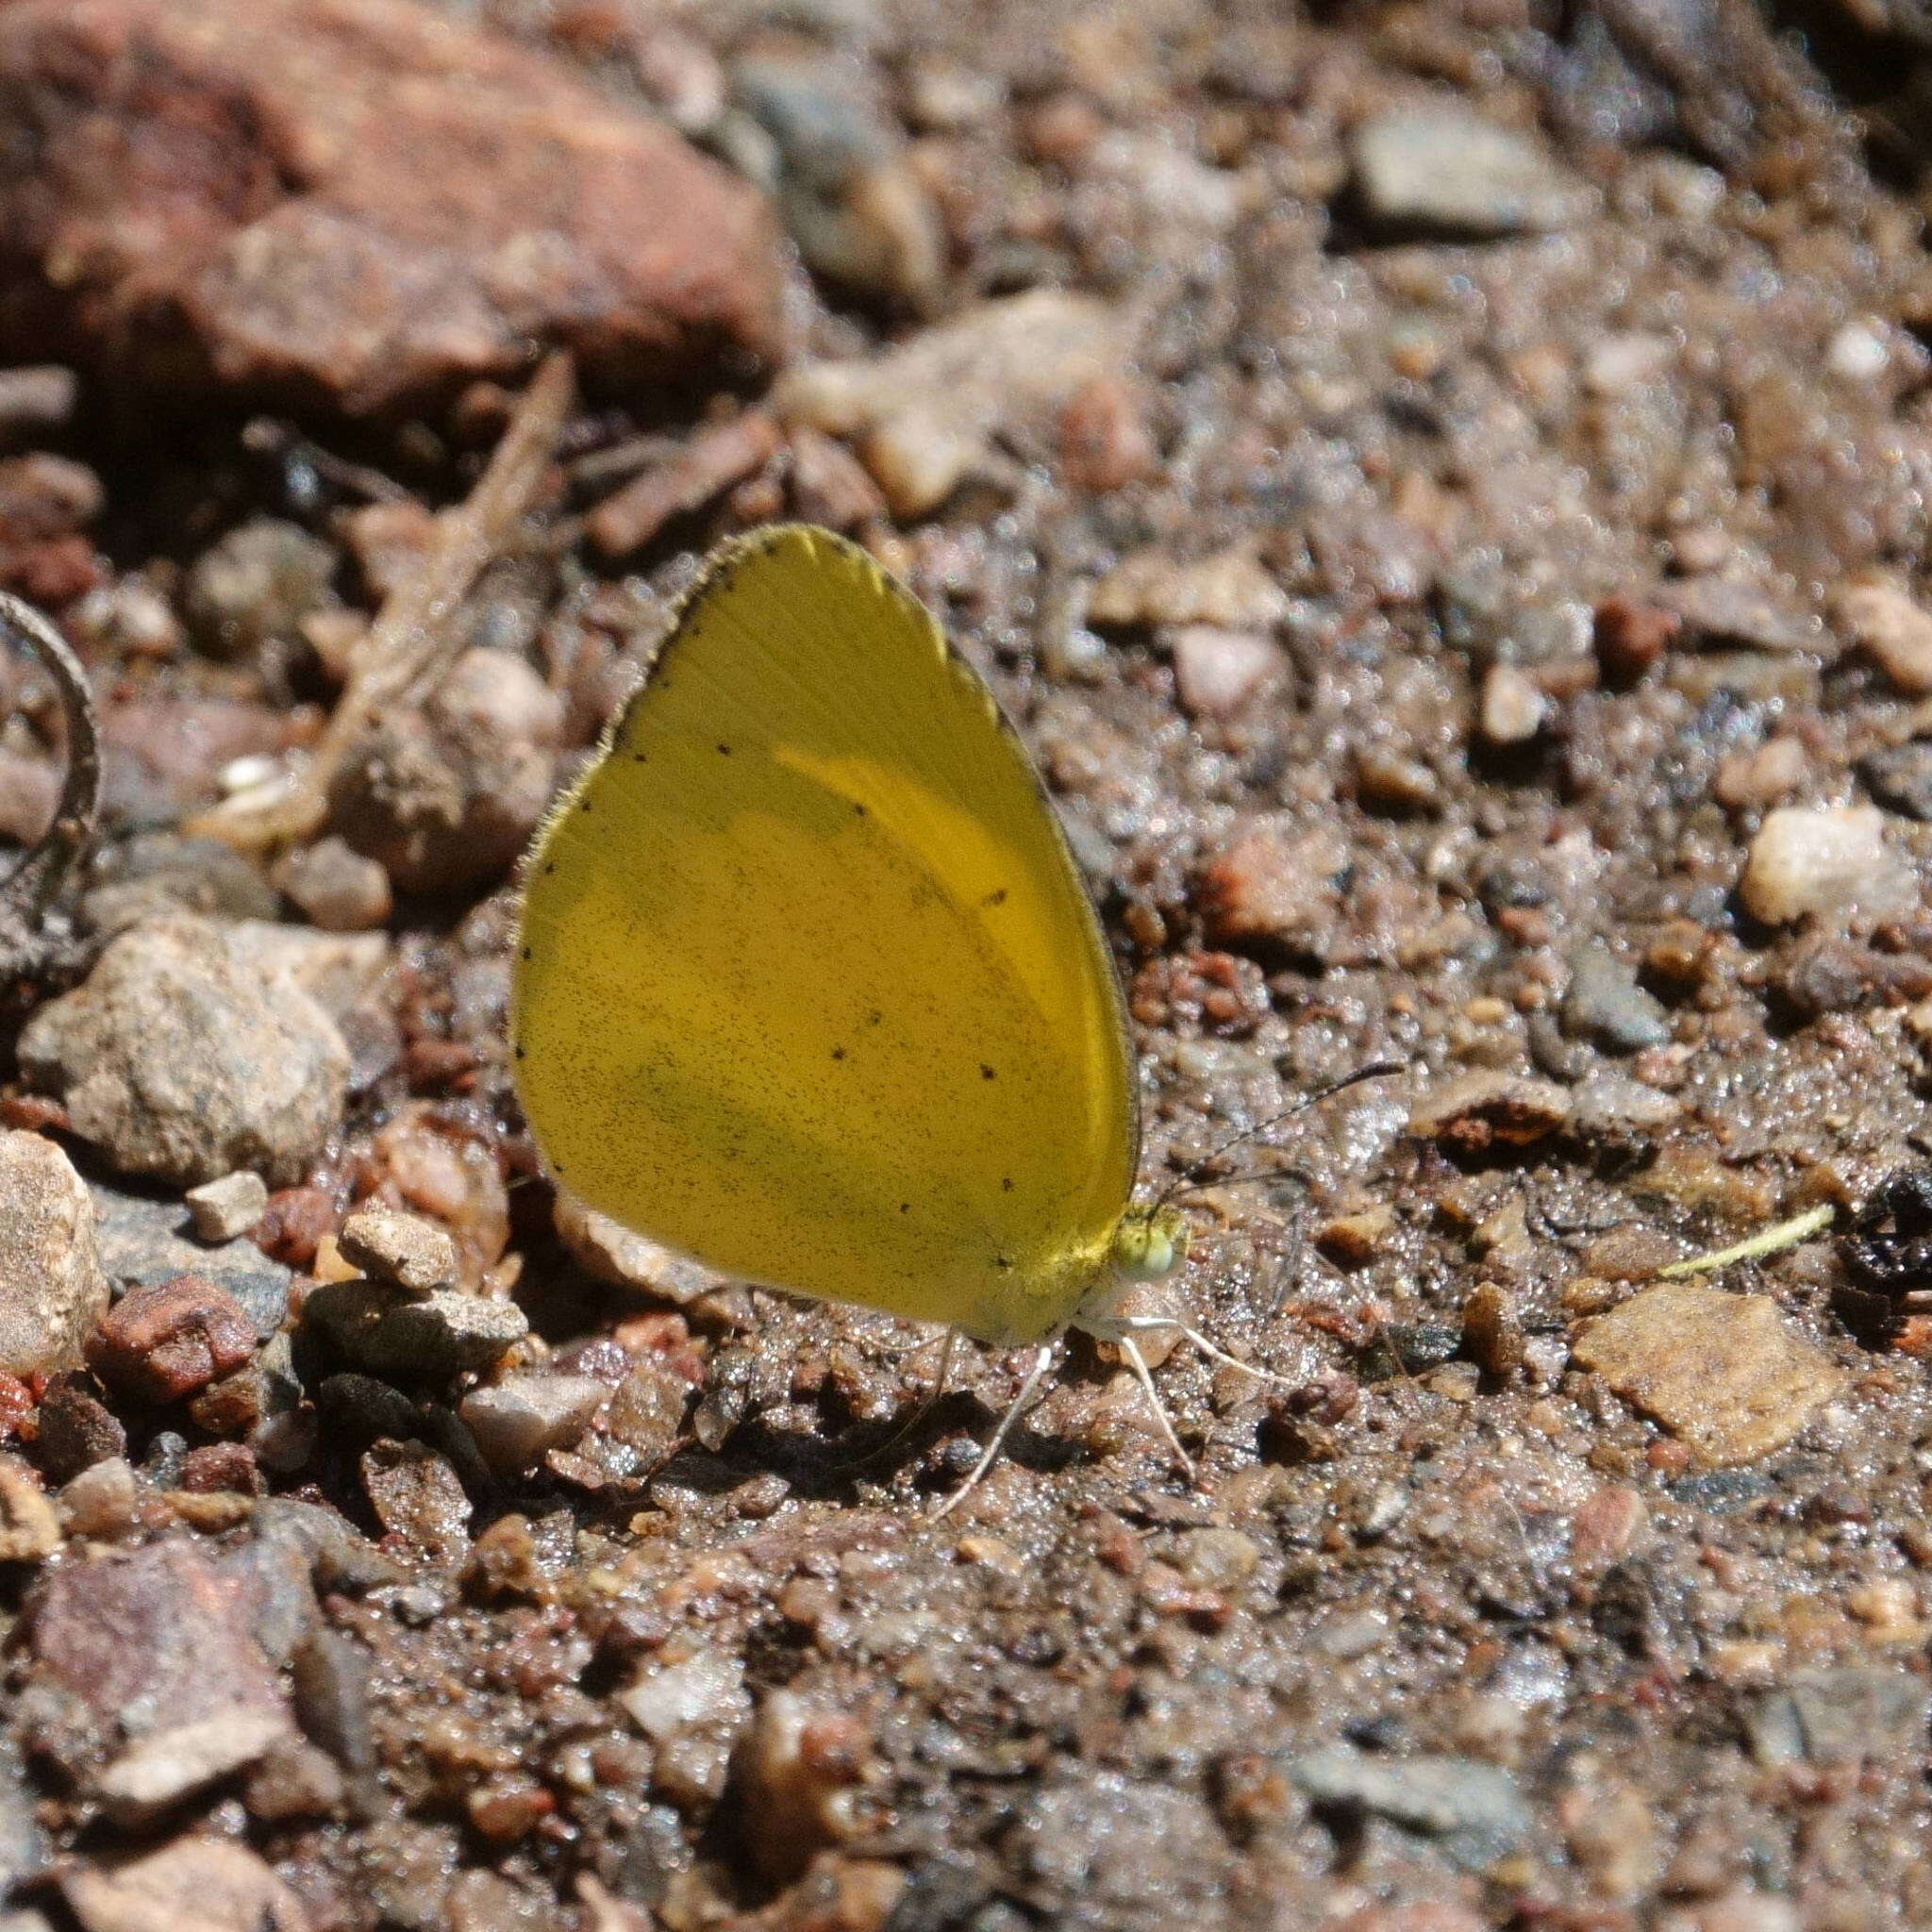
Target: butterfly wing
[808,984]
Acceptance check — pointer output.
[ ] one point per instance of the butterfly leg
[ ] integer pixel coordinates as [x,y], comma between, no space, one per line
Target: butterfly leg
[990,1455]
[1138,1362]
[1212,1351]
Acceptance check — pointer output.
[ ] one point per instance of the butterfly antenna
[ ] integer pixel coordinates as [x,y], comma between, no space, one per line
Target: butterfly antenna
[1138,1362]
[990,1455]
[1186,1183]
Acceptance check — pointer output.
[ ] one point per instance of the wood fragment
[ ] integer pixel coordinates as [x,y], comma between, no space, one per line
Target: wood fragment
[409,646]
[708,464]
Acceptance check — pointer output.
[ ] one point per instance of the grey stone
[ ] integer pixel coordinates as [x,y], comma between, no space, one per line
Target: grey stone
[1900,778]
[1850,1714]
[23,1849]
[257,583]
[441,1336]
[143,1243]
[1605,1004]
[179,1058]
[1473,1809]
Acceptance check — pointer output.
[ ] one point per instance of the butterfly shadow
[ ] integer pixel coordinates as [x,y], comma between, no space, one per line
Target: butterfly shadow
[867,1455]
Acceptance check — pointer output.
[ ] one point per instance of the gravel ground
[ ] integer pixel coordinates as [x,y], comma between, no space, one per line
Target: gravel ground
[1443,491]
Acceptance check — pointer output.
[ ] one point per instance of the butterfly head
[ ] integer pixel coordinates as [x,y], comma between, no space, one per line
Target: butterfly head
[1150,1244]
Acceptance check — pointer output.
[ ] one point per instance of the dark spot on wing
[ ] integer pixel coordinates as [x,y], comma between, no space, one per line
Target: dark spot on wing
[997,897]
[520,1053]
[838,1053]
[526,952]
[859,812]
[1004,1262]
[904,1207]
[1006,1184]
[873,1018]
[986,1073]
[723,751]
[550,865]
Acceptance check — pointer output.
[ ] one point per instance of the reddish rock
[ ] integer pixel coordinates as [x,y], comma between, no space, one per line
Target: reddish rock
[160,1343]
[1631,636]
[161,1629]
[219,1468]
[294,1224]
[355,202]
[1275,888]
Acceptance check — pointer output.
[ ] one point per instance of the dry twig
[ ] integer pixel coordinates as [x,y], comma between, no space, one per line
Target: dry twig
[409,645]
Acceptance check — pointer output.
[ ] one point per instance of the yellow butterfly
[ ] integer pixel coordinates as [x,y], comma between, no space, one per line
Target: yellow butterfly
[807,986]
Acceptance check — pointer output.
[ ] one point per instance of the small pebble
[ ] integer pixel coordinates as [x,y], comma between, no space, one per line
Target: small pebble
[334,887]
[417,1499]
[1613,1111]
[1475,1111]
[224,1209]
[101,1502]
[1389,781]
[517,1421]
[444,798]
[29,1524]
[1231,590]
[402,1249]
[1816,862]
[1491,1330]
[73,1431]
[1276,884]
[254,584]
[1630,636]
[1858,352]
[1728,610]
[610,1252]
[160,1770]
[1216,671]
[925,415]
[1893,629]
[1757,779]
[36,397]
[1513,708]
[798,1770]
[1442,168]
[432,1340]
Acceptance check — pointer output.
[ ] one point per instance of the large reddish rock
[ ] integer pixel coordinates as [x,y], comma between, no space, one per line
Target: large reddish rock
[356,203]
